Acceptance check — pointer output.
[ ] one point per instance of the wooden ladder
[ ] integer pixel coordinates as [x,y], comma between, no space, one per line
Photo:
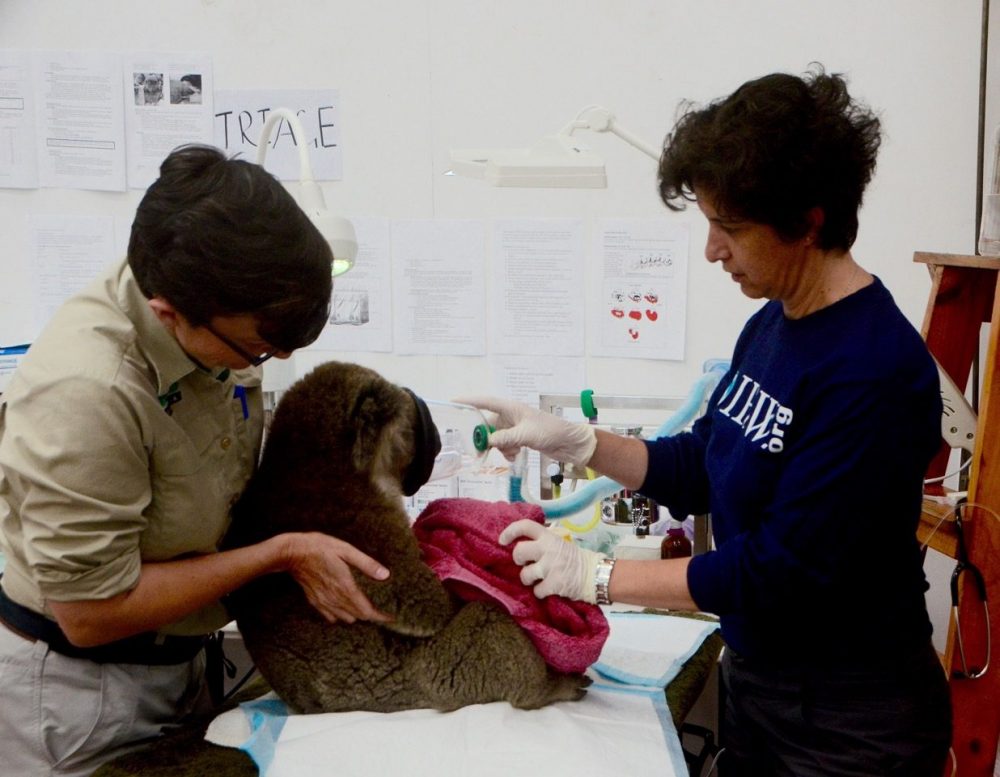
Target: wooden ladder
[963,297]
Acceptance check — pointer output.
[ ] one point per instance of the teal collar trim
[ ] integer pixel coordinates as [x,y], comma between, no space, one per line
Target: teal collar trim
[171,398]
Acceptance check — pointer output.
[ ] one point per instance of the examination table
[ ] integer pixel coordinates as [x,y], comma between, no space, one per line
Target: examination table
[651,672]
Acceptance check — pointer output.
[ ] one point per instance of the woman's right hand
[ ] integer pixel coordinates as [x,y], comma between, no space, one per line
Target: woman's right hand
[322,564]
[559,566]
[519,425]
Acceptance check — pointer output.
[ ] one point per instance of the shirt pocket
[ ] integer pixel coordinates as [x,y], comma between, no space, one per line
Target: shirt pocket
[191,483]
[182,445]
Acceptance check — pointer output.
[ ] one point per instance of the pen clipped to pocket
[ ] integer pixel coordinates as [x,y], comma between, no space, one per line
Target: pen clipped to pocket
[240,393]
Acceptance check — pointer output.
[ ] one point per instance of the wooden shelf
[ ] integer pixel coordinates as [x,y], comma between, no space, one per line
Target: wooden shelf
[958,260]
[937,528]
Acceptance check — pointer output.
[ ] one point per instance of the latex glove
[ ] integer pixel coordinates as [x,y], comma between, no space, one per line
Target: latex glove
[520,425]
[560,567]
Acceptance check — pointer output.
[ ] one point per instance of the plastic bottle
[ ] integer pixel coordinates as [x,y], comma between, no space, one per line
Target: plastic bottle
[675,544]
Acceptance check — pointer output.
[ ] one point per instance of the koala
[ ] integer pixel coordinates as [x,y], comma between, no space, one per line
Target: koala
[341,446]
[152,89]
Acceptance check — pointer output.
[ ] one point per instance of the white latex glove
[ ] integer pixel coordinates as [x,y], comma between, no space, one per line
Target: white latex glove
[561,567]
[519,425]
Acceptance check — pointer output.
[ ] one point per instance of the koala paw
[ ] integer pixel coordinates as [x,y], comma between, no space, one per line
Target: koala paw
[420,605]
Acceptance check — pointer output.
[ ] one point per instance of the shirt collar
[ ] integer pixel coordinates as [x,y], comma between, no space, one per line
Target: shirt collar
[163,353]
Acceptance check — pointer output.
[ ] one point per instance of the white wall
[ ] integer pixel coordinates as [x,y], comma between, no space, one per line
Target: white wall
[419,78]
[992,112]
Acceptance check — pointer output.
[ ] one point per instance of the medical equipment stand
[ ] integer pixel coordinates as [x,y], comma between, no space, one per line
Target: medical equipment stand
[963,297]
[661,408]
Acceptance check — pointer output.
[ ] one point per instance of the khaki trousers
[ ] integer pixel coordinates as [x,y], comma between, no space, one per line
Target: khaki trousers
[64,717]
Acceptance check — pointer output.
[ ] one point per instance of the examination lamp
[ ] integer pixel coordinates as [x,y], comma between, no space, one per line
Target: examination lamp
[339,232]
[556,161]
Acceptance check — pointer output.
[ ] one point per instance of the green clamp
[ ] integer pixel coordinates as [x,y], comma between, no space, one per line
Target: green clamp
[587,404]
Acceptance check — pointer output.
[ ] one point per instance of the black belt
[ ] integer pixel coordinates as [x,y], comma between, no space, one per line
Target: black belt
[149,648]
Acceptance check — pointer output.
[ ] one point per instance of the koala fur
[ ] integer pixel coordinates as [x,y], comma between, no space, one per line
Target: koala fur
[338,446]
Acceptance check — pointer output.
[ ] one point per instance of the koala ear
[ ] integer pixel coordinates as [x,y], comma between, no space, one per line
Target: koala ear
[374,413]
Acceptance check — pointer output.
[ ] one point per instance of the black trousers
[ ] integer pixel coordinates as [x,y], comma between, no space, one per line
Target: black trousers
[895,720]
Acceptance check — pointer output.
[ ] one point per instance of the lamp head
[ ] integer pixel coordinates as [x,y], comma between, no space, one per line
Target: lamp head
[338,231]
[556,161]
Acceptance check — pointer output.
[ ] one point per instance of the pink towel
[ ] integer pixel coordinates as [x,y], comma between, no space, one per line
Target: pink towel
[458,538]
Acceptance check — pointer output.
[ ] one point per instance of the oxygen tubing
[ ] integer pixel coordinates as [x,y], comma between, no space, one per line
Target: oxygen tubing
[597,489]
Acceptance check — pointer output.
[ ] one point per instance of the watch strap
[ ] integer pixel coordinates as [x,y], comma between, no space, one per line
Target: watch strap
[602,579]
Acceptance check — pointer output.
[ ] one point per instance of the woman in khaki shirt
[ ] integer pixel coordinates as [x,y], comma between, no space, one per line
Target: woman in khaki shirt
[132,425]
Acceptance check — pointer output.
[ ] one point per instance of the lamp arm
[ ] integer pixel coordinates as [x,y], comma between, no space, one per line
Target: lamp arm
[337,231]
[276,115]
[312,194]
[600,119]
[632,140]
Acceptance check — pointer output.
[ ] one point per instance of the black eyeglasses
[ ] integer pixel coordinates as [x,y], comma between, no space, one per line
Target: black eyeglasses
[255,361]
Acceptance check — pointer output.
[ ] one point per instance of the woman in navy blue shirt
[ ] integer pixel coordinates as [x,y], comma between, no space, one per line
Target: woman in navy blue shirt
[810,456]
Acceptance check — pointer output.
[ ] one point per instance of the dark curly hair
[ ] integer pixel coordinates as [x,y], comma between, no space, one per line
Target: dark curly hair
[215,236]
[773,150]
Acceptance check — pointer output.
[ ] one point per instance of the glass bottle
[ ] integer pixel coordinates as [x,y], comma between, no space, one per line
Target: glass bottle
[675,544]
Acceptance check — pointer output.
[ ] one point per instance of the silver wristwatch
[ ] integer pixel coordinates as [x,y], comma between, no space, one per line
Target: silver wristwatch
[602,577]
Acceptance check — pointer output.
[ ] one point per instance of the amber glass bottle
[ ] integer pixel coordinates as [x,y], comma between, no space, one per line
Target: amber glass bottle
[675,544]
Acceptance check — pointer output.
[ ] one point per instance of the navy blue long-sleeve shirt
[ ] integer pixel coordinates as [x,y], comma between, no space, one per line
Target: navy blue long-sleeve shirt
[811,458]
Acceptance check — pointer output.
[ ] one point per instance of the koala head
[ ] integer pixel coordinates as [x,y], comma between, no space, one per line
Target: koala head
[350,422]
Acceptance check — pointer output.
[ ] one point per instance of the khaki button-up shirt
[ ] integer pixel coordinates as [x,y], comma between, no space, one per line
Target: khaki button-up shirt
[115,448]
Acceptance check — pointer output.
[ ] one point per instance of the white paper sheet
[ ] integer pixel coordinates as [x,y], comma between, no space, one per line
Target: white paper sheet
[526,378]
[79,120]
[240,117]
[445,488]
[641,307]
[439,287]
[67,253]
[490,482]
[168,104]
[18,154]
[361,308]
[538,301]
